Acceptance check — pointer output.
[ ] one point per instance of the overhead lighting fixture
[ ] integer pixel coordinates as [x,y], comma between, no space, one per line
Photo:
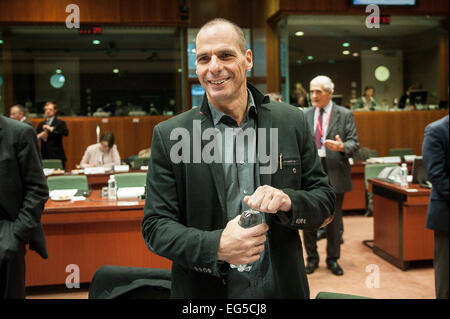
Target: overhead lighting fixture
[58,71]
[116,71]
[96,42]
[355,54]
[346,52]
[310,57]
[374,48]
[299,33]
[1,41]
[345,44]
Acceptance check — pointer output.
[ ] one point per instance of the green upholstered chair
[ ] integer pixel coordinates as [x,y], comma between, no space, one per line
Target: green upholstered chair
[334,295]
[401,152]
[130,180]
[52,163]
[68,182]
[140,161]
[118,282]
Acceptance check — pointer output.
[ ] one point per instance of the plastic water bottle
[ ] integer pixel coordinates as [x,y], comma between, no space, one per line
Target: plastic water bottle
[112,188]
[249,218]
[404,175]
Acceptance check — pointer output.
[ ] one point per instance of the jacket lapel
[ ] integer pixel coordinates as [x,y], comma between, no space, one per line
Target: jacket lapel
[216,169]
[335,114]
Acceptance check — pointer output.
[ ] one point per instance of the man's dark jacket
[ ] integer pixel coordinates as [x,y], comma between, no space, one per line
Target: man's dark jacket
[435,159]
[343,124]
[23,187]
[185,210]
[53,147]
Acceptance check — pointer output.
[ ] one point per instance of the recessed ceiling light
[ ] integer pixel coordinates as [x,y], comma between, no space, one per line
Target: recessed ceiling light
[1,41]
[116,71]
[355,54]
[375,48]
[96,42]
[345,44]
[310,57]
[299,33]
[346,52]
[58,71]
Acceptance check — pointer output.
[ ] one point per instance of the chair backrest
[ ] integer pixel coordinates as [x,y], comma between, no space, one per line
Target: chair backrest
[140,161]
[401,151]
[372,171]
[68,182]
[363,153]
[130,180]
[335,295]
[52,163]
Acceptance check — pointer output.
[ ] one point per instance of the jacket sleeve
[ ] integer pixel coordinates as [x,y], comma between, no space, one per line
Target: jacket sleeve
[313,203]
[60,128]
[35,185]
[162,230]
[350,139]
[434,160]
[115,155]
[86,158]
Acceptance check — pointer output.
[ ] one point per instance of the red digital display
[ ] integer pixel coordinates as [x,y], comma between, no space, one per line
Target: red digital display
[384,19]
[91,30]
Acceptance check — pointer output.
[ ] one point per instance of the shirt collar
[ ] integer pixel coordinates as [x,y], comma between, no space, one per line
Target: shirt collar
[217,115]
[326,109]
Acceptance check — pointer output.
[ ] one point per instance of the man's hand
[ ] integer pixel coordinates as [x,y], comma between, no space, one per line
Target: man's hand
[43,135]
[238,245]
[337,145]
[47,128]
[268,199]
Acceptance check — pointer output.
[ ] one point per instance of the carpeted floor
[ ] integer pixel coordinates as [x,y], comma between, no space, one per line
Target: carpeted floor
[360,265]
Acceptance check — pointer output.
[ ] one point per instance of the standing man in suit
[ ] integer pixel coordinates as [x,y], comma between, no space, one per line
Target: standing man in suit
[193,206]
[23,193]
[334,131]
[17,112]
[51,132]
[435,159]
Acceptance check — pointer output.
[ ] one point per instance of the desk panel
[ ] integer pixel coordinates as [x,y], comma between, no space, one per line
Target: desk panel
[90,234]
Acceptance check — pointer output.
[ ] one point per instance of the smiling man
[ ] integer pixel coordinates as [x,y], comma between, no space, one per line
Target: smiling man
[192,209]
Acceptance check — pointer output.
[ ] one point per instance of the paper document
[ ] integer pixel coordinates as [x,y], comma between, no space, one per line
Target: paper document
[63,192]
[130,192]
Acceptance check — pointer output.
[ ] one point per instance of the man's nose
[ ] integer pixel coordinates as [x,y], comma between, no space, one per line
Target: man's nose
[215,65]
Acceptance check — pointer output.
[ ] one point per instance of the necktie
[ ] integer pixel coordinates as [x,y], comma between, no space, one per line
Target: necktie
[317,134]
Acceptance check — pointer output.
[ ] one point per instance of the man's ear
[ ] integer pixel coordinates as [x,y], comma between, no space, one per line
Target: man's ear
[249,59]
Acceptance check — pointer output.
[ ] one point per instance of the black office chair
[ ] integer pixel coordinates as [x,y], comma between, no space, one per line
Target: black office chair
[117,282]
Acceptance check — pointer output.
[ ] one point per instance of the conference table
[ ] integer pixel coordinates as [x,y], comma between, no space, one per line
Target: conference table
[399,215]
[82,236]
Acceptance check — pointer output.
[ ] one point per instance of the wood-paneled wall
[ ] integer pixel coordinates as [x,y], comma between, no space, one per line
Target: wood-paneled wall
[385,130]
[376,130]
[154,12]
[132,134]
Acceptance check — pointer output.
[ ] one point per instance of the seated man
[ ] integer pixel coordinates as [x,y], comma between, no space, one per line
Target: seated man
[104,154]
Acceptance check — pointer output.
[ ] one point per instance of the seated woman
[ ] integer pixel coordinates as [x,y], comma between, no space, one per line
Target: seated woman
[104,154]
[367,101]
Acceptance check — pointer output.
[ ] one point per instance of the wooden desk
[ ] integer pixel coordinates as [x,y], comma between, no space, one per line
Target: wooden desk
[90,234]
[356,199]
[399,216]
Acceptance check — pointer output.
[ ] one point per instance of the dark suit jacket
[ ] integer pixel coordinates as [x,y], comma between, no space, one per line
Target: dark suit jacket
[185,211]
[338,167]
[435,159]
[23,187]
[53,148]
[28,122]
